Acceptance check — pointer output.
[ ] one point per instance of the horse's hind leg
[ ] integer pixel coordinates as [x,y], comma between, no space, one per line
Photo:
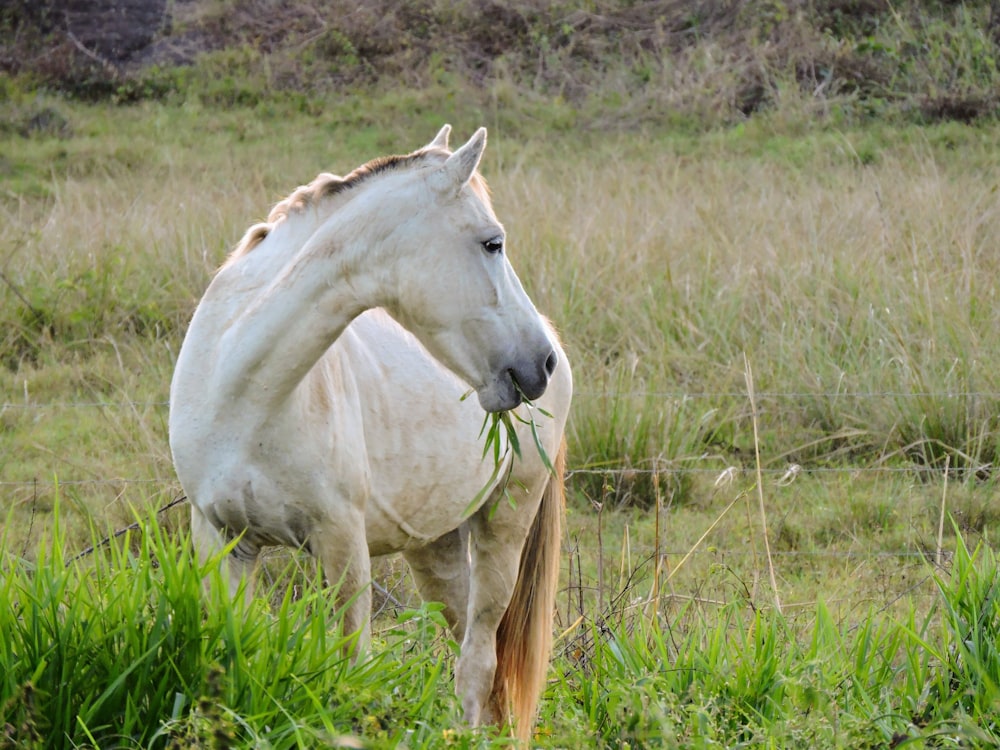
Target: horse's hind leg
[237,567]
[441,572]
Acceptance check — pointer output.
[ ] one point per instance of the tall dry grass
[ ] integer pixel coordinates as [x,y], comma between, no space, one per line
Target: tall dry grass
[854,270]
[859,287]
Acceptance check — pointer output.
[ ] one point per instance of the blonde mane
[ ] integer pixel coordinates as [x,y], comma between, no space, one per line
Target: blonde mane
[327,185]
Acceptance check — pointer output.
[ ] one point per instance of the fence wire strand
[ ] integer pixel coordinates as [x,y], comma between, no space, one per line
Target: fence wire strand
[673,395]
[612,471]
[786,473]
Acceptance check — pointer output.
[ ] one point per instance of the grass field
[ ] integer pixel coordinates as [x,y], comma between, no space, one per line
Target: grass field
[782,498]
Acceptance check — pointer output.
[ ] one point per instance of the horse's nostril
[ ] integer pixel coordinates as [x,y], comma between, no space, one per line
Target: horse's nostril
[550,363]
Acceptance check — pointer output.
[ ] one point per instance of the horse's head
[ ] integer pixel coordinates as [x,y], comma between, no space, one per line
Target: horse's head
[455,288]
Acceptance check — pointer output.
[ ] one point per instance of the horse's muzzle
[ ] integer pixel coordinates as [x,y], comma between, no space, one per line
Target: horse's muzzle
[522,381]
[531,382]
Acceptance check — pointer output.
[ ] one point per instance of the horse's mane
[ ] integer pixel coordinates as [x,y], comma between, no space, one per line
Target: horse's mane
[325,185]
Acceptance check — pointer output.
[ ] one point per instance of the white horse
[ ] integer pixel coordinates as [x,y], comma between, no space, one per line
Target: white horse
[317,403]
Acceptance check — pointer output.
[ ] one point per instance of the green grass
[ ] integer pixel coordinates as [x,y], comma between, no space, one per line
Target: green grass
[121,649]
[124,648]
[743,676]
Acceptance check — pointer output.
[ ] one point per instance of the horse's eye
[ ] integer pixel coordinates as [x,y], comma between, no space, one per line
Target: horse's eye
[494,245]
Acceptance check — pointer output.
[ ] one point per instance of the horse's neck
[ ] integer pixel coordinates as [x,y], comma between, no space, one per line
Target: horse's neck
[288,299]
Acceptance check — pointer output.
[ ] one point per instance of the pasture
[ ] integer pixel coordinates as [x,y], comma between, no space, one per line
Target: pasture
[781,450]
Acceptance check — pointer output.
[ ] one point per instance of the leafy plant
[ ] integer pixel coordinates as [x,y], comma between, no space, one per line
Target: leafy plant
[501,439]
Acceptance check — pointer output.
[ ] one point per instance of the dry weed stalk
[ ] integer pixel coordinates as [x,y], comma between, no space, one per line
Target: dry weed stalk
[760,481]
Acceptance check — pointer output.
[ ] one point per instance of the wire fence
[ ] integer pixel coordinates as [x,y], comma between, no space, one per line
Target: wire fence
[728,474]
[785,473]
[631,551]
[711,469]
[664,394]
[724,475]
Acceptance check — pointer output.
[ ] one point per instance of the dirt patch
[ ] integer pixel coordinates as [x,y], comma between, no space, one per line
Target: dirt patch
[110,30]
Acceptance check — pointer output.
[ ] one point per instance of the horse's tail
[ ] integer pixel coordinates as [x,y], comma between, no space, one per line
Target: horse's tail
[524,638]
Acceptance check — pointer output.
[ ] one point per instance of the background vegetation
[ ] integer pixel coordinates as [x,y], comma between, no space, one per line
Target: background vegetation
[609,63]
[767,232]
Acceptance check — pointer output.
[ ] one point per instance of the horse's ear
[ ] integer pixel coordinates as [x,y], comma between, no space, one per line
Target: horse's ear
[460,166]
[441,139]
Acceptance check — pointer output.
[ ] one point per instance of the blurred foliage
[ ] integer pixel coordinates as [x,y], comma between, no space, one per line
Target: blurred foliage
[714,61]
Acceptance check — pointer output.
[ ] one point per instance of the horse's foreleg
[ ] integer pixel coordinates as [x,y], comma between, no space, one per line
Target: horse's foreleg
[237,566]
[495,553]
[514,577]
[441,573]
[343,550]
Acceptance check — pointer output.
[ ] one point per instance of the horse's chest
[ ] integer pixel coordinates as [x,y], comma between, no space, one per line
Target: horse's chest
[408,509]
